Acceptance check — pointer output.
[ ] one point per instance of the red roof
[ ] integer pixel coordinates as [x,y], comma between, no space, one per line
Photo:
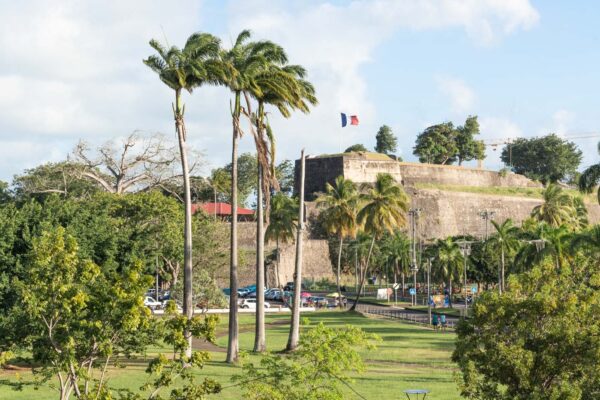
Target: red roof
[220,209]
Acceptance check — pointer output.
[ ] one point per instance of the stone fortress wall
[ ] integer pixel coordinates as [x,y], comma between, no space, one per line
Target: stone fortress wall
[445,212]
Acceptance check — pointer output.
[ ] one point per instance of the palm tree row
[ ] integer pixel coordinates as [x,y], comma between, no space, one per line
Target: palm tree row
[252,71]
[557,229]
[376,210]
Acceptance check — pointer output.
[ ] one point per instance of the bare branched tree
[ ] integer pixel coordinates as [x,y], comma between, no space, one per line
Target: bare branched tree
[136,163]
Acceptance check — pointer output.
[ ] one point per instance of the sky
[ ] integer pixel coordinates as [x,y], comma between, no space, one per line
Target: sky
[72,70]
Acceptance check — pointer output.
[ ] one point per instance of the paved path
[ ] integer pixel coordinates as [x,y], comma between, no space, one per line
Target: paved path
[394,312]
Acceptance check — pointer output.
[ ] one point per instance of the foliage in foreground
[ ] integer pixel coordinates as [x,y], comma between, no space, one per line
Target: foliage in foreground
[76,319]
[537,341]
[315,371]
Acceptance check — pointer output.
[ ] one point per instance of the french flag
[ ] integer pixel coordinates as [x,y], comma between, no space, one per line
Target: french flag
[353,120]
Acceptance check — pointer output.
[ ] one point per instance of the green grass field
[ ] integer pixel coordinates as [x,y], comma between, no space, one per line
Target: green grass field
[407,357]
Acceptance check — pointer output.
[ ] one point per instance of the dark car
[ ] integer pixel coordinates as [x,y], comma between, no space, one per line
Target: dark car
[290,286]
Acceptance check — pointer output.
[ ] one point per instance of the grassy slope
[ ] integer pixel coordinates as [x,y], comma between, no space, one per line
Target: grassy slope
[408,357]
[533,193]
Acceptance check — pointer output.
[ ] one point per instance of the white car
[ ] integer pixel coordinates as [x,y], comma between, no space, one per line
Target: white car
[151,303]
[251,304]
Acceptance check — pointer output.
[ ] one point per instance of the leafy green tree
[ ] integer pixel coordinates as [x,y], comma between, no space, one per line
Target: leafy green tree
[284,171]
[588,241]
[505,240]
[547,159]
[356,148]
[437,144]
[536,341]
[282,224]
[75,315]
[313,371]
[590,178]
[386,141]
[5,195]
[449,260]
[468,147]
[341,204]
[384,209]
[195,65]
[61,178]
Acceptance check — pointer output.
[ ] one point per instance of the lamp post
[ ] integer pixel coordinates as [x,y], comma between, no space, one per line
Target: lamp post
[429,290]
[465,247]
[414,213]
[487,215]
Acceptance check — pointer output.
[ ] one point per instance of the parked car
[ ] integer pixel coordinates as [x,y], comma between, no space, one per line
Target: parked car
[274,294]
[251,304]
[318,301]
[290,286]
[152,303]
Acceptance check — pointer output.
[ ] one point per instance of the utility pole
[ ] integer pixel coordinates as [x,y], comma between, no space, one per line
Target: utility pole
[487,215]
[413,214]
[295,323]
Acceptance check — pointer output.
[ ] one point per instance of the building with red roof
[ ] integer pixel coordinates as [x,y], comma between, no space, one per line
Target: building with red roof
[223,211]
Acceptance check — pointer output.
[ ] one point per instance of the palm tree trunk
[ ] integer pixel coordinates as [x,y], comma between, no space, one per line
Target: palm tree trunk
[259,337]
[502,271]
[339,271]
[188,306]
[363,277]
[450,291]
[403,294]
[233,342]
[277,266]
[294,337]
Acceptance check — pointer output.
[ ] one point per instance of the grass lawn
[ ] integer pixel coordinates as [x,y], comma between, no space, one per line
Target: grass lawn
[408,357]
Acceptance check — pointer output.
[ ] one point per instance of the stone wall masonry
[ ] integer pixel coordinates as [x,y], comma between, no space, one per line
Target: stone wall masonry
[414,173]
[365,171]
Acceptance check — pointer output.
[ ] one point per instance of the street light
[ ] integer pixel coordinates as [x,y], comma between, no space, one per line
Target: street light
[487,215]
[465,247]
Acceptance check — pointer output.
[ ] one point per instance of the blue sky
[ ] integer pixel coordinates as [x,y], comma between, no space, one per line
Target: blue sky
[72,70]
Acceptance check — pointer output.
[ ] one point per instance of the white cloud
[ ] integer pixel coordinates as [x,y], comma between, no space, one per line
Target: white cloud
[561,120]
[460,95]
[72,69]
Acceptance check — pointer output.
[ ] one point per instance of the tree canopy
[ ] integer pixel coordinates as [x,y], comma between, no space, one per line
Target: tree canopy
[386,141]
[355,148]
[546,159]
[446,144]
[538,340]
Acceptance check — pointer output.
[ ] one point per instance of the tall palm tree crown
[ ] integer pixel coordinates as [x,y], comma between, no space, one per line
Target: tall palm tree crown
[449,259]
[341,202]
[385,207]
[557,207]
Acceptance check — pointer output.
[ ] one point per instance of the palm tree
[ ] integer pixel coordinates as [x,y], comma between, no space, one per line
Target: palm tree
[449,259]
[285,88]
[341,202]
[547,241]
[591,178]
[384,210]
[195,65]
[557,207]
[244,61]
[588,241]
[282,223]
[396,251]
[506,240]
